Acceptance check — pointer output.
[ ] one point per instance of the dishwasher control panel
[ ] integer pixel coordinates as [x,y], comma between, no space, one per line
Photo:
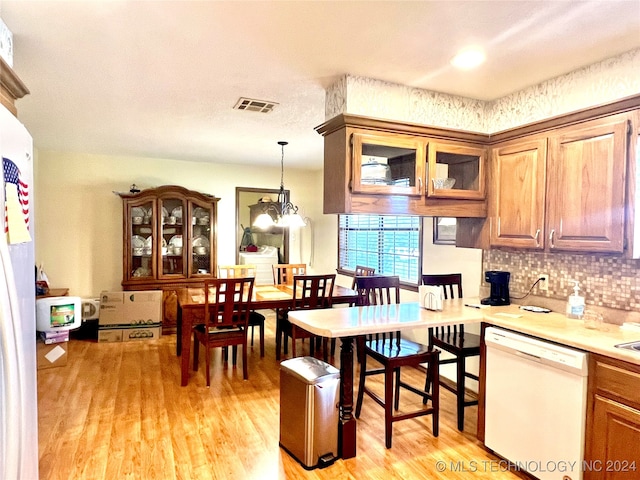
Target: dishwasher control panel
[561,357]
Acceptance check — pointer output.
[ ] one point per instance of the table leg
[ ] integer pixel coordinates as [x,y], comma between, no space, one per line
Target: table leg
[185,340]
[347,426]
[179,331]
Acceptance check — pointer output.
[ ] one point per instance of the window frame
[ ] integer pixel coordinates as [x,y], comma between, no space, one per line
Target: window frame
[420,233]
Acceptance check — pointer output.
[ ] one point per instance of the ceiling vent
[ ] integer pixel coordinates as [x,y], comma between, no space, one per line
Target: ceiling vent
[254,105]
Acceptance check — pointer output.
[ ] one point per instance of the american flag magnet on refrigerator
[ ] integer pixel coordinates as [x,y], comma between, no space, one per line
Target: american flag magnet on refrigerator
[16,207]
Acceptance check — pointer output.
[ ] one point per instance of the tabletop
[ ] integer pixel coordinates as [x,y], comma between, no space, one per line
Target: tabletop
[354,321]
[264,296]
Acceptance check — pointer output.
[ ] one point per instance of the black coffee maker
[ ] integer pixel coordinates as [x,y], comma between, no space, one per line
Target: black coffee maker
[499,282]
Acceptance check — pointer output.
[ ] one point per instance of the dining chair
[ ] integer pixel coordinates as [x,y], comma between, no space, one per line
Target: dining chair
[283,274]
[361,271]
[393,352]
[227,305]
[255,319]
[454,340]
[309,292]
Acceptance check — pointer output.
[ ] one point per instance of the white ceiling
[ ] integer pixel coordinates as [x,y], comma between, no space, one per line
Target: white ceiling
[160,78]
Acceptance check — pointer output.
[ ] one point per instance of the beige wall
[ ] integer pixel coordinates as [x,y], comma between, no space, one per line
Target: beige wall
[78,218]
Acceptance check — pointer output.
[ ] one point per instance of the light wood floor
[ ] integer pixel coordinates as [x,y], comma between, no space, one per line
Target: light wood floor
[117,411]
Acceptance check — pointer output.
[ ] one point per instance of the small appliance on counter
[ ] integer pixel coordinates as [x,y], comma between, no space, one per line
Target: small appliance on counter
[499,282]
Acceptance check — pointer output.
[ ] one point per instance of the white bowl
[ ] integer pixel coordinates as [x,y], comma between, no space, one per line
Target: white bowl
[136,220]
[443,183]
[200,250]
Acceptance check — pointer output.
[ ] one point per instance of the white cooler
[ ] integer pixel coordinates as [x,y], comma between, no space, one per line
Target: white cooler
[263,259]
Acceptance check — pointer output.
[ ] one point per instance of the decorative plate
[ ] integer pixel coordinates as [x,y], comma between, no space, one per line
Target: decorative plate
[176,241]
[200,212]
[137,241]
[200,241]
[177,212]
[138,212]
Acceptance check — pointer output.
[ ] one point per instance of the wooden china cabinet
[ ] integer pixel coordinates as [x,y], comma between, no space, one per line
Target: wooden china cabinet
[169,243]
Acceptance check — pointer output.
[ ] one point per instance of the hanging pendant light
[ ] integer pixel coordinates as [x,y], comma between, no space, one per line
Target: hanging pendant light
[286,212]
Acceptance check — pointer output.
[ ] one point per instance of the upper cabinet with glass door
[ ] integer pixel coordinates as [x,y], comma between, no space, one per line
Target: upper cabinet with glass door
[456,171]
[387,164]
[375,166]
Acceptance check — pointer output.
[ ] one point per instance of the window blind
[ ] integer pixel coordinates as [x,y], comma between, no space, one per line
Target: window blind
[390,244]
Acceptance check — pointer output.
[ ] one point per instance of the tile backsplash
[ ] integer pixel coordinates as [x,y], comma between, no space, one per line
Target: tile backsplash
[605,281]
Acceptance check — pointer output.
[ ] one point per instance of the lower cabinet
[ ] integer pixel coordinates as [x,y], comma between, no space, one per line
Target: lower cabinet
[612,450]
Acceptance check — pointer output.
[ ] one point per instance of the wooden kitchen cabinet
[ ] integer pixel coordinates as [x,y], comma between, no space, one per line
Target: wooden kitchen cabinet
[562,192]
[374,166]
[169,242]
[518,174]
[586,175]
[613,420]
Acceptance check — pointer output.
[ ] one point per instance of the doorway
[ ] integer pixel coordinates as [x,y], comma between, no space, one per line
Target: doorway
[249,204]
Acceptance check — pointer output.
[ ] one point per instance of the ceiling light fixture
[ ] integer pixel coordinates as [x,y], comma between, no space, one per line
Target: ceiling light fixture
[286,213]
[468,58]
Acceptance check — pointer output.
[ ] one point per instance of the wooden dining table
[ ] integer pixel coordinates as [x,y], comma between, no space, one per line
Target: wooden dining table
[349,323]
[191,312]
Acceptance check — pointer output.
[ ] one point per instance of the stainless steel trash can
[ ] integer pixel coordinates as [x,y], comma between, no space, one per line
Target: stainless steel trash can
[309,394]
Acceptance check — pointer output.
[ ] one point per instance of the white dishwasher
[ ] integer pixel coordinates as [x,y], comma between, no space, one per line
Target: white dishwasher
[536,396]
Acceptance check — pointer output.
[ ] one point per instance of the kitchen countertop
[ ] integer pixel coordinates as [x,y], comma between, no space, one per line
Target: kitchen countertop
[558,328]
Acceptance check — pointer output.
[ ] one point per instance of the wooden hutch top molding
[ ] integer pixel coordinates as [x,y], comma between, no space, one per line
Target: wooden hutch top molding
[170,189]
[11,87]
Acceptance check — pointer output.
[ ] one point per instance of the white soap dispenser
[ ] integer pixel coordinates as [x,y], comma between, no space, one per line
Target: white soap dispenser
[575,306]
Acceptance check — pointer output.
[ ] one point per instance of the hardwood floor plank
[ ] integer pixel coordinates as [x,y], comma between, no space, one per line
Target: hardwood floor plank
[117,410]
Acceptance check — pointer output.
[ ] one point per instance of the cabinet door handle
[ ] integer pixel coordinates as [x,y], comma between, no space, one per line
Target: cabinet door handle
[419,184]
[551,237]
[537,237]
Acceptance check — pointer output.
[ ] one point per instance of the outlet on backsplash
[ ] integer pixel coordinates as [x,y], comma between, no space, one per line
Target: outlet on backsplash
[544,282]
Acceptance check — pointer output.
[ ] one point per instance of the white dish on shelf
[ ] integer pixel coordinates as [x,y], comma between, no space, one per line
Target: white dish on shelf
[177,212]
[200,212]
[138,212]
[137,241]
[176,241]
[200,241]
[165,212]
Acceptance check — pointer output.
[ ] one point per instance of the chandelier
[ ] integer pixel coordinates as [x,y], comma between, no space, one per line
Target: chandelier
[286,212]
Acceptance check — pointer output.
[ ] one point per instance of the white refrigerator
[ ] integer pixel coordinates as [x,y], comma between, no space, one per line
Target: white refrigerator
[18,394]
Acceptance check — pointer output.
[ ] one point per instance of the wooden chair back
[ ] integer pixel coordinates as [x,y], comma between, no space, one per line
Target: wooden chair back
[451,284]
[313,291]
[237,271]
[283,273]
[361,271]
[378,290]
[227,303]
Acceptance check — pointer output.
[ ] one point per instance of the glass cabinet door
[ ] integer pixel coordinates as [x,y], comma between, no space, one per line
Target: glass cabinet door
[140,217]
[201,239]
[456,171]
[170,246]
[386,164]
